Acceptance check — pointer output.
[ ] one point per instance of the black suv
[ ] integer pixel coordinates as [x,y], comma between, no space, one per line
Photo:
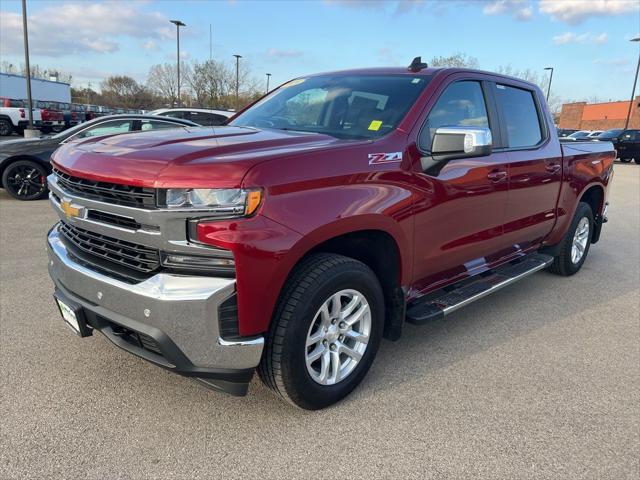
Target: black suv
[628,146]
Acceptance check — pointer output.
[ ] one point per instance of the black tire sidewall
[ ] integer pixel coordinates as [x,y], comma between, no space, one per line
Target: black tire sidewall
[582,211]
[6,128]
[9,169]
[298,382]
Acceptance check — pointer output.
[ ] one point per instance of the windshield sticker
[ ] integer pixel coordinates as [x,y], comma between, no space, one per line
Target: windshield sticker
[379,158]
[375,125]
[293,83]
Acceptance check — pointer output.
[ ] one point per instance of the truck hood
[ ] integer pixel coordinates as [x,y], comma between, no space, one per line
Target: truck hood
[189,158]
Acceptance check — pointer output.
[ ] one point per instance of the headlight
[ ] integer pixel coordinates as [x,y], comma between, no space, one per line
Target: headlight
[231,202]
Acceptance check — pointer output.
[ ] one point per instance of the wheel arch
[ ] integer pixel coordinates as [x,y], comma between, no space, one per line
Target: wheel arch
[384,250]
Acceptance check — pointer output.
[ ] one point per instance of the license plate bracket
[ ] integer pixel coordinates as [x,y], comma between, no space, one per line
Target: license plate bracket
[73,315]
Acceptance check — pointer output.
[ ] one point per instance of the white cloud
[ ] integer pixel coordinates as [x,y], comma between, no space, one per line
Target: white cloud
[74,28]
[575,11]
[570,37]
[519,9]
[150,45]
[275,53]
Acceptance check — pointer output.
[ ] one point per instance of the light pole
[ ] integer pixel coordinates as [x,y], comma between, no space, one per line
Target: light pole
[178,24]
[238,57]
[550,78]
[635,80]
[26,62]
[268,75]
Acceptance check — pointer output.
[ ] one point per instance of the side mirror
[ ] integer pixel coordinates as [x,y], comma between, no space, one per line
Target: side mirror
[461,142]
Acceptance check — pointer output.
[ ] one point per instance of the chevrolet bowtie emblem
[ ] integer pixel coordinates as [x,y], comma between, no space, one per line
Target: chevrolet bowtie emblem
[70,210]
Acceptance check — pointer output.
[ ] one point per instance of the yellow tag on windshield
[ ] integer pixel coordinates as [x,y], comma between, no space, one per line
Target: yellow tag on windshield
[375,125]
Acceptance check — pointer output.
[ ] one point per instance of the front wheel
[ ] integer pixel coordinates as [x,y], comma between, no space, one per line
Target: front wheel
[576,243]
[625,160]
[25,180]
[325,333]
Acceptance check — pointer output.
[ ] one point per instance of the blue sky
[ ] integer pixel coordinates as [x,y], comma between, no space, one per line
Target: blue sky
[587,41]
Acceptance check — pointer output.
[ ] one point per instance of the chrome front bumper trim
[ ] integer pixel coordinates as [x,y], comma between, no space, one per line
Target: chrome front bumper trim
[185,308]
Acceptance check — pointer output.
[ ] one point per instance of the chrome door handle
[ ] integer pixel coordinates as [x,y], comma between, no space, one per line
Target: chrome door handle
[497,175]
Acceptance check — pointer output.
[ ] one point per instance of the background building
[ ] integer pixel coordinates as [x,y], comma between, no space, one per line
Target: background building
[599,116]
[15,86]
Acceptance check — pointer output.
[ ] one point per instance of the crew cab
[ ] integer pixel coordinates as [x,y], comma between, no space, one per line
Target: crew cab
[318,221]
[14,116]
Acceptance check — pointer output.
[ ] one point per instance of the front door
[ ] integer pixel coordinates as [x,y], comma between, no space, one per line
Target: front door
[459,217]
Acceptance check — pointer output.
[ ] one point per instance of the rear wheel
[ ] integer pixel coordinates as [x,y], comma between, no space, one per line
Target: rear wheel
[576,243]
[5,127]
[25,180]
[625,160]
[325,333]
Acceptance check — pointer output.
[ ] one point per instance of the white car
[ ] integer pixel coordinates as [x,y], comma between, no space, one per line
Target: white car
[201,116]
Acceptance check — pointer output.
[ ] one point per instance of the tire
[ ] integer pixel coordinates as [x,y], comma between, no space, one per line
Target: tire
[317,280]
[46,130]
[25,180]
[6,128]
[625,160]
[565,263]
[637,160]
[19,131]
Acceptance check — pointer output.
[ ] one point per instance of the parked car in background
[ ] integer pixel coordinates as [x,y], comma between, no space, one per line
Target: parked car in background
[565,132]
[52,118]
[628,146]
[594,133]
[70,119]
[609,136]
[14,116]
[318,221]
[579,135]
[201,116]
[91,112]
[24,163]
[79,112]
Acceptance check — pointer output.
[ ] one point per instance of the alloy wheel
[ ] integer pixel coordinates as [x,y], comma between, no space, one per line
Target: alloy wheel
[338,336]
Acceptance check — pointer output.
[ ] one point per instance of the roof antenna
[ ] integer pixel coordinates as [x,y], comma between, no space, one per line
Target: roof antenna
[417,65]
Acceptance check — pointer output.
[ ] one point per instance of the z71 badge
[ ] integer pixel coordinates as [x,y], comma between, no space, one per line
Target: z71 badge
[378,158]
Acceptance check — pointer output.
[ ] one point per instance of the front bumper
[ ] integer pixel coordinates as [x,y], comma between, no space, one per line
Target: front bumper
[173,319]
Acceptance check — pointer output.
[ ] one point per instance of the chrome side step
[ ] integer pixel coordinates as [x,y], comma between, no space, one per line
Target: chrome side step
[436,305]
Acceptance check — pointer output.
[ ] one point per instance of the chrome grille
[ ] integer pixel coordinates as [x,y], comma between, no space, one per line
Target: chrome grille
[107,192]
[137,257]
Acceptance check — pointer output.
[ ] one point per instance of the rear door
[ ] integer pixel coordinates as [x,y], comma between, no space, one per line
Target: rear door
[461,210]
[535,165]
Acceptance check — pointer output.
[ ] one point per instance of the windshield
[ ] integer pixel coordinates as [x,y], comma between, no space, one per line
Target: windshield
[610,133]
[343,106]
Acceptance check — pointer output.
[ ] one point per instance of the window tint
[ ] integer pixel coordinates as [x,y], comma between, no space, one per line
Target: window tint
[207,119]
[630,135]
[107,128]
[520,116]
[157,125]
[460,105]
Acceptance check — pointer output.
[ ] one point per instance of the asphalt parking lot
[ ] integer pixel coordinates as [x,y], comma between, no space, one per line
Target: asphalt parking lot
[540,380]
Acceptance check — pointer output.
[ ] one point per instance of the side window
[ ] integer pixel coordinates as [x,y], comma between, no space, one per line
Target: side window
[460,105]
[520,116]
[106,128]
[157,125]
[174,114]
[630,136]
[208,119]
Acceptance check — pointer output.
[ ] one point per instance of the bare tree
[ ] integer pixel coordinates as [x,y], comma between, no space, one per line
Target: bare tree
[163,80]
[124,91]
[459,59]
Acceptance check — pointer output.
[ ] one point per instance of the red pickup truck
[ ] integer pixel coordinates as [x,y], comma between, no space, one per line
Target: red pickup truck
[318,221]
